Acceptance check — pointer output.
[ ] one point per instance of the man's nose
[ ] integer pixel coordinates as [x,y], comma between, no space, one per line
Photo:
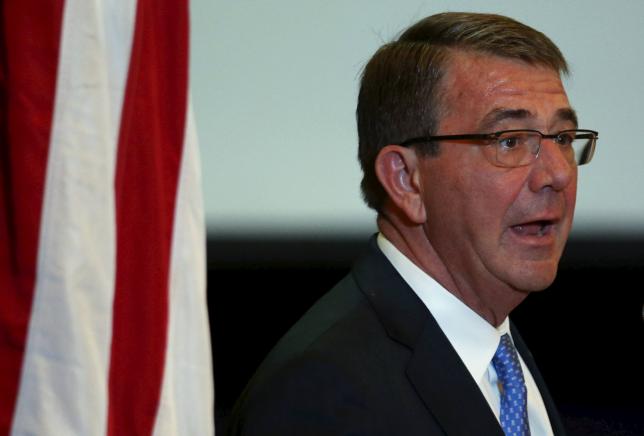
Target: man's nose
[552,168]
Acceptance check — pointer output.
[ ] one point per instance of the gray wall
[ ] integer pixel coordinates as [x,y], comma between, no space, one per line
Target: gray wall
[274,85]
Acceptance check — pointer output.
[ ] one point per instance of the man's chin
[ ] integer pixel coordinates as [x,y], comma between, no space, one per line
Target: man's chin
[535,276]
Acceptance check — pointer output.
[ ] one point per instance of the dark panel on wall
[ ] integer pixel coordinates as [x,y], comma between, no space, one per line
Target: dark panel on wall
[586,331]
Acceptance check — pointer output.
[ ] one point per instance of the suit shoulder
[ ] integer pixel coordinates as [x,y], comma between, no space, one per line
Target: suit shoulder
[342,314]
[325,364]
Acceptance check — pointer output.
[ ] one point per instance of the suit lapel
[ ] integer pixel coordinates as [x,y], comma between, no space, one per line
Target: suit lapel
[434,369]
[553,414]
[447,388]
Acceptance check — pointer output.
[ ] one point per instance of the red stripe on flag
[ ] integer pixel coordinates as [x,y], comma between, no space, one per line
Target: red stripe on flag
[148,162]
[30,32]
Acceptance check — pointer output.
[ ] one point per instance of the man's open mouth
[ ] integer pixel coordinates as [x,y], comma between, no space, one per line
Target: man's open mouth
[534,228]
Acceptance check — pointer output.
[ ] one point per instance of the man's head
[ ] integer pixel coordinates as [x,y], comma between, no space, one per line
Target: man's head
[400,93]
[484,224]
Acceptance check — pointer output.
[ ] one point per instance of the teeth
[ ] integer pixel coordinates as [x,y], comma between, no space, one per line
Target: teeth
[534,229]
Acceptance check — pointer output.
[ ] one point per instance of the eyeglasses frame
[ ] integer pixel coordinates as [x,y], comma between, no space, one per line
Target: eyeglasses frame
[593,136]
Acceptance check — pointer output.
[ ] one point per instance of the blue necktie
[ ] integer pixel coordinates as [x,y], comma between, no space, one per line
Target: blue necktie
[514,399]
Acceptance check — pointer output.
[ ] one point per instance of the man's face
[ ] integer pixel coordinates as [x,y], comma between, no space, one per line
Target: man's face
[495,226]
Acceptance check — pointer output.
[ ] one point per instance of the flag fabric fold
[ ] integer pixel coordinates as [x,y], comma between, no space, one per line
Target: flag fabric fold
[103,315]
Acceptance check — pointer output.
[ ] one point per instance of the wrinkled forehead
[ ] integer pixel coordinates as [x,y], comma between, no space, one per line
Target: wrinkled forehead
[467,71]
[476,85]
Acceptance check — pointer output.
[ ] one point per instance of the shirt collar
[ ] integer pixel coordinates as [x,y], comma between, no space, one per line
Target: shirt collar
[474,339]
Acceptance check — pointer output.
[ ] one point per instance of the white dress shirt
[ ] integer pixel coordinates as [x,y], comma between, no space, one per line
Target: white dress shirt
[474,339]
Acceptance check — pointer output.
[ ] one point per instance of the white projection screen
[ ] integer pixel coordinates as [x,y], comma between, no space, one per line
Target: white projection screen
[274,86]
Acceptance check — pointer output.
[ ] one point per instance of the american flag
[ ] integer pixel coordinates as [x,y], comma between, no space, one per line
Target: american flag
[103,316]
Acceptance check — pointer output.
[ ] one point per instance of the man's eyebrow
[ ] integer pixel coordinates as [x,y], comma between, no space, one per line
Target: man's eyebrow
[501,114]
[567,114]
[497,115]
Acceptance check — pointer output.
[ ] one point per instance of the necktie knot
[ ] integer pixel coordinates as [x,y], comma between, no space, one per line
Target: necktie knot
[514,399]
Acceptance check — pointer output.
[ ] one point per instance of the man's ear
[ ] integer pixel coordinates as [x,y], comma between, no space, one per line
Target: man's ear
[397,169]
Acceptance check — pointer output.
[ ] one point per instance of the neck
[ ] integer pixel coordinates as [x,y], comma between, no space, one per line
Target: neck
[490,299]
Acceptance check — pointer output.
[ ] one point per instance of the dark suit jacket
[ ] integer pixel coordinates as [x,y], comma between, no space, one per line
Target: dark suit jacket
[369,359]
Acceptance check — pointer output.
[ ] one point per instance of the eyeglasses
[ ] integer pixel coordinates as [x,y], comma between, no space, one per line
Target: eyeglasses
[516,148]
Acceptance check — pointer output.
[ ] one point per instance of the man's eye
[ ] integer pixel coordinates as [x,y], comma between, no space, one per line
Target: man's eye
[510,142]
[564,138]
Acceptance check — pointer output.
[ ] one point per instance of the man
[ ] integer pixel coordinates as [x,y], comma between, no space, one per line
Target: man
[469,149]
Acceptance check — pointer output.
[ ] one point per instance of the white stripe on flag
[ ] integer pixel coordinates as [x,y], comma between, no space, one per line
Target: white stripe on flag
[188,370]
[63,388]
